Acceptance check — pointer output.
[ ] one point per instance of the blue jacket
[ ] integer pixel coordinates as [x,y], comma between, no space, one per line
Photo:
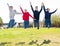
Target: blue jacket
[36,13]
[48,14]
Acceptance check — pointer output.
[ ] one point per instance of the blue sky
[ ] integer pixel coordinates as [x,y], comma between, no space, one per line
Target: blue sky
[4,11]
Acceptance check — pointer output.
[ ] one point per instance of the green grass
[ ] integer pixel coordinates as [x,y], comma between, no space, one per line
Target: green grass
[16,35]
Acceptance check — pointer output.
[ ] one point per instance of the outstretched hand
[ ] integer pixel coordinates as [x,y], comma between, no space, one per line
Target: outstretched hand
[20,6]
[30,3]
[42,4]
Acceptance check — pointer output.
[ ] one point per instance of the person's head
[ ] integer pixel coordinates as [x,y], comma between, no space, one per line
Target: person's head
[25,10]
[48,9]
[36,8]
[11,7]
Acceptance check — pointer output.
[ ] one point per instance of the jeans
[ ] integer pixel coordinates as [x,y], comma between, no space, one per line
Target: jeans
[48,23]
[11,23]
[26,24]
[36,23]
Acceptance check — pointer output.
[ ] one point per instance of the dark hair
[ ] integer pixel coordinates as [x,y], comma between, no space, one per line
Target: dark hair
[36,7]
[10,6]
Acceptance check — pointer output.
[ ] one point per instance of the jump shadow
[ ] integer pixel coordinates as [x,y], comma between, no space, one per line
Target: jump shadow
[20,43]
[3,43]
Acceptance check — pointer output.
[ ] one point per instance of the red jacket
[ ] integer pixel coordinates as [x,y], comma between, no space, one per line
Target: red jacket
[25,15]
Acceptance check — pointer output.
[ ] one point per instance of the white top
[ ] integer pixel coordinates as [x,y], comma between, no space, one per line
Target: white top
[12,13]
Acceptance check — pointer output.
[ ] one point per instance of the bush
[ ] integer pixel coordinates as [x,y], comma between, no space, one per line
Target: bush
[55,21]
[1,22]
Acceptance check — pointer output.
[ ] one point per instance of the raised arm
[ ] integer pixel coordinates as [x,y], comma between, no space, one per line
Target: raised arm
[31,7]
[21,9]
[53,11]
[8,6]
[40,9]
[43,6]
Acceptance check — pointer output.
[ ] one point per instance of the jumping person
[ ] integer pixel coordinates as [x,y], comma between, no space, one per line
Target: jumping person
[36,15]
[48,16]
[26,17]
[11,15]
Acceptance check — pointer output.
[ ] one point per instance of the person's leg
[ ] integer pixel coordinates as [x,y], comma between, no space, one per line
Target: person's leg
[13,23]
[24,24]
[49,23]
[37,24]
[46,23]
[27,24]
[34,23]
[9,24]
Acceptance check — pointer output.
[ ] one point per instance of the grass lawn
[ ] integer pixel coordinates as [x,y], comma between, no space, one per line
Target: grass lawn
[24,37]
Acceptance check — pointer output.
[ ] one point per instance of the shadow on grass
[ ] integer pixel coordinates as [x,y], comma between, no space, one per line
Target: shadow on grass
[3,43]
[45,42]
[20,43]
[30,43]
[35,42]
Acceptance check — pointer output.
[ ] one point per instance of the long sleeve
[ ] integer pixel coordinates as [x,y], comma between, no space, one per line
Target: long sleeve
[8,6]
[44,8]
[32,8]
[53,11]
[40,9]
[22,10]
[16,12]
[31,16]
